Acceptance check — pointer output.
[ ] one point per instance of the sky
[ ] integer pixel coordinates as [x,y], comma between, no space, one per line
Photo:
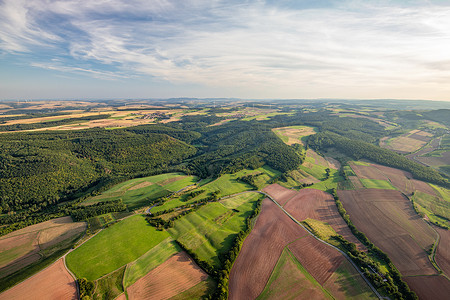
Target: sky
[78,49]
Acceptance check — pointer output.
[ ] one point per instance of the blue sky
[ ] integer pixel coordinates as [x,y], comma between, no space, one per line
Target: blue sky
[77,49]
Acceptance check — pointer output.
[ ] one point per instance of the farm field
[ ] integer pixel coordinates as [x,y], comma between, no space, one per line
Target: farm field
[53,282]
[429,287]
[408,142]
[27,246]
[114,247]
[376,184]
[211,229]
[140,191]
[443,250]
[176,275]
[290,280]
[294,134]
[389,221]
[261,250]
[314,204]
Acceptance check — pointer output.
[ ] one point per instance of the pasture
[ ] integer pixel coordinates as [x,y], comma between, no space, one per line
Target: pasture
[114,247]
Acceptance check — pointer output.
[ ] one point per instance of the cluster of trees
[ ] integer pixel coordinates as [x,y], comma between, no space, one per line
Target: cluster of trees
[394,285]
[86,288]
[359,149]
[250,180]
[193,194]
[81,213]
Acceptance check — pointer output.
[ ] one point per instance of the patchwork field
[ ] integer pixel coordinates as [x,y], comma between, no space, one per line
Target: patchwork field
[53,282]
[261,250]
[141,191]
[27,246]
[210,230]
[294,134]
[114,247]
[408,142]
[178,274]
[290,280]
[314,204]
[389,221]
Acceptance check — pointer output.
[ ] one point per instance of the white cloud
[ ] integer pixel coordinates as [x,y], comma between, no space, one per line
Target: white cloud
[252,46]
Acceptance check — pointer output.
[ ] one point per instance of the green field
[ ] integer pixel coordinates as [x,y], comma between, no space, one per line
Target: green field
[210,230]
[140,191]
[290,280]
[436,208]
[329,184]
[150,260]
[114,247]
[227,184]
[109,287]
[377,184]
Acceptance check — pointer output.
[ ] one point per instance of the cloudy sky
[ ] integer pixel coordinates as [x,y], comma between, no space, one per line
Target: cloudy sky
[247,49]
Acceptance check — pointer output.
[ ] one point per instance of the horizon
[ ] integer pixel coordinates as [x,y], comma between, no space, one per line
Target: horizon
[265,50]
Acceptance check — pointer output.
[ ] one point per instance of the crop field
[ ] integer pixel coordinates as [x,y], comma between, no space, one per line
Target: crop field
[315,204]
[376,184]
[261,250]
[53,282]
[147,262]
[409,142]
[138,192]
[178,274]
[429,287]
[390,222]
[26,246]
[294,134]
[443,250]
[290,280]
[434,207]
[210,230]
[279,193]
[114,247]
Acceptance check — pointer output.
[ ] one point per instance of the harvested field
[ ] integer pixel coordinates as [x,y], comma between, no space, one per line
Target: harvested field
[390,222]
[290,280]
[178,274]
[346,283]
[292,135]
[423,187]
[140,185]
[356,182]
[23,247]
[409,142]
[443,250]
[367,172]
[53,282]
[260,252]
[318,259]
[316,204]
[429,287]
[279,193]
[333,164]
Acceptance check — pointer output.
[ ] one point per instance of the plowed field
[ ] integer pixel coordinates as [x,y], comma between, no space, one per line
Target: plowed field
[315,204]
[176,275]
[443,250]
[429,287]
[22,247]
[52,283]
[389,221]
[318,259]
[279,193]
[260,252]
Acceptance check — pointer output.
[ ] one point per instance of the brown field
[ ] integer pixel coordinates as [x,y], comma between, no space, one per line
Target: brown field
[319,160]
[443,250]
[178,274]
[357,184]
[294,134]
[140,185]
[316,204]
[333,164]
[290,282]
[409,142]
[317,258]
[121,297]
[260,252]
[390,222]
[53,282]
[22,247]
[429,287]
[351,286]
[279,193]
[367,172]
